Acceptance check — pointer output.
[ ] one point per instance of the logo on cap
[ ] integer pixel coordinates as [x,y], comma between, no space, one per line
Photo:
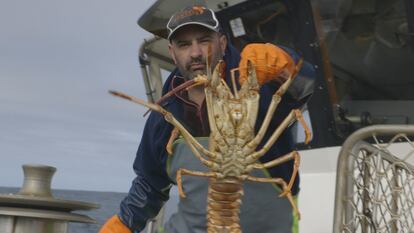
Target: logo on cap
[193,15]
[195,10]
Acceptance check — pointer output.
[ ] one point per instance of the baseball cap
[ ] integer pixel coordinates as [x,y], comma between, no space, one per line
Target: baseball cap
[196,14]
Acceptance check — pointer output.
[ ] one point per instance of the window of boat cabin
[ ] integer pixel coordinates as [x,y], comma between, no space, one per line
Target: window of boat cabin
[362,51]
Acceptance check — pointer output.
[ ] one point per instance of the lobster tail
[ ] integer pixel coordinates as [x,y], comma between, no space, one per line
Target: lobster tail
[224,200]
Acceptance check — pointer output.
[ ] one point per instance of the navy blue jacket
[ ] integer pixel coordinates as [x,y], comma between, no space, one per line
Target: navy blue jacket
[150,188]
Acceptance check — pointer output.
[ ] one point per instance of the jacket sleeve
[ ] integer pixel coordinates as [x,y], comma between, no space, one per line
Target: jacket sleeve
[302,86]
[150,188]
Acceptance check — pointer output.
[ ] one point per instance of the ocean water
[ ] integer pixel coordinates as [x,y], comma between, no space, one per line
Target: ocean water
[109,202]
[109,205]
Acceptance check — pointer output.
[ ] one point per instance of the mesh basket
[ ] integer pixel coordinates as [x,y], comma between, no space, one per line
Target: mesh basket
[375,182]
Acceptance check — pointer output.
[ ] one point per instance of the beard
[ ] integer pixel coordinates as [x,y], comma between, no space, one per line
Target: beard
[197,66]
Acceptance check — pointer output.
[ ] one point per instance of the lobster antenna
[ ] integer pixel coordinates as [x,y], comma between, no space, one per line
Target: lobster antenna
[208,60]
[233,81]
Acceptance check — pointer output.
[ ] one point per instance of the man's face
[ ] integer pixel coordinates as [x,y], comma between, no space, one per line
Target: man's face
[189,49]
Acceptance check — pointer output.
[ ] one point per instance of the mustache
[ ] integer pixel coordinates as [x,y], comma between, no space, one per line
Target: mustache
[198,60]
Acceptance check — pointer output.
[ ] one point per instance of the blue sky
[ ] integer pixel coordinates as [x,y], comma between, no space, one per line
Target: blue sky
[58,59]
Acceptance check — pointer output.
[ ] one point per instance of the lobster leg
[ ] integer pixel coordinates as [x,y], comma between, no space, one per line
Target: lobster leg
[279,130]
[210,91]
[170,118]
[295,113]
[212,165]
[183,171]
[192,142]
[281,182]
[174,135]
[292,155]
[276,98]
[308,134]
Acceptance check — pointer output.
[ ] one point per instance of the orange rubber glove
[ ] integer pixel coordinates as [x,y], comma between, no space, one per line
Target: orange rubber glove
[114,225]
[270,61]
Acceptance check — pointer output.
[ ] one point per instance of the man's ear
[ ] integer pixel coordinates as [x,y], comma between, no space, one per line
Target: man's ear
[171,52]
[223,43]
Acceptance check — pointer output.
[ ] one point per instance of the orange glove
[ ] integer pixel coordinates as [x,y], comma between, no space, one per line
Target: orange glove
[114,225]
[270,61]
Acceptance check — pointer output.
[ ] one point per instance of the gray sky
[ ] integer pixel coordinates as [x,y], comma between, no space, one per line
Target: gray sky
[58,59]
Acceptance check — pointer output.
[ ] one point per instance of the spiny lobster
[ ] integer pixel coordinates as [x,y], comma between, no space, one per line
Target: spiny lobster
[231,155]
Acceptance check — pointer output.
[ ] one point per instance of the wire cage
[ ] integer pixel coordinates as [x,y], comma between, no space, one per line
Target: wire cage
[375,181]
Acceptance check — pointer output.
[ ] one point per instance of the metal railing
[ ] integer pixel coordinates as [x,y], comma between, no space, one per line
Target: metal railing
[375,181]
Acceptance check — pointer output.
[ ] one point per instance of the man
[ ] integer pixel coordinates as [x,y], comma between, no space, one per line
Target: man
[191,32]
